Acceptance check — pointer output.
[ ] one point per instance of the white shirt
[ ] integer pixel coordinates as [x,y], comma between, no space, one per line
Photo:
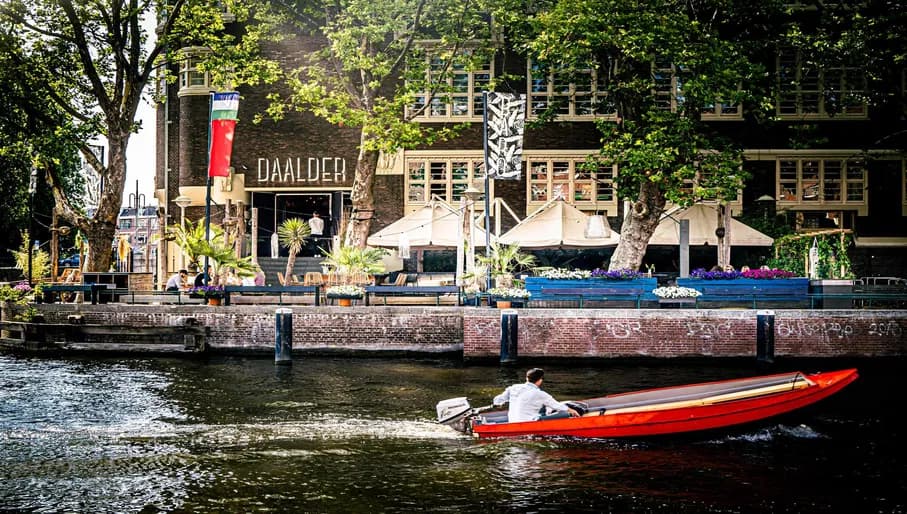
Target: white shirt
[526,400]
[317,226]
[174,281]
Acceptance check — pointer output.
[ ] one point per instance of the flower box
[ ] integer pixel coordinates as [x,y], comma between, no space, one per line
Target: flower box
[535,285]
[755,290]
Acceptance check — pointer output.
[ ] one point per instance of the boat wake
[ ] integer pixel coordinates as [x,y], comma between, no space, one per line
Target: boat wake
[775,432]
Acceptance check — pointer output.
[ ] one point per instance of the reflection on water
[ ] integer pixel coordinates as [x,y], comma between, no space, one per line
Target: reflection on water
[358,435]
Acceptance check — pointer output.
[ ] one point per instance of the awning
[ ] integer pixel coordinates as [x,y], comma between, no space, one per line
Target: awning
[557,224]
[434,226]
[703,221]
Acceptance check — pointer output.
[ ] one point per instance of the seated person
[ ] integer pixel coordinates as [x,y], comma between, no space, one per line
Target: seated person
[203,278]
[527,400]
[177,282]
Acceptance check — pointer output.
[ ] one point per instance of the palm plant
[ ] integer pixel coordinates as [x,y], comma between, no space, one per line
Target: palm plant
[504,260]
[222,257]
[291,234]
[351,260]
[191,239]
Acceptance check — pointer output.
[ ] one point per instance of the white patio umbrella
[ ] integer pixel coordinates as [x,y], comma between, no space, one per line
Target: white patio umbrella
[703,222]
[432,227]
[557,224]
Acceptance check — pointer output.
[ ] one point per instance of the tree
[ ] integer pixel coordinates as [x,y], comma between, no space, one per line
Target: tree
[368,71]
[89,61]
[28,124]
[291,234]
[707,51]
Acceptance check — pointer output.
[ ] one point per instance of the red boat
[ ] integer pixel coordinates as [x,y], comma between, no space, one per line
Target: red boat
[668,410]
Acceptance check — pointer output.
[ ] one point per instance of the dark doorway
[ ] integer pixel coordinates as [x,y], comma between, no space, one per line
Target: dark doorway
[304,206]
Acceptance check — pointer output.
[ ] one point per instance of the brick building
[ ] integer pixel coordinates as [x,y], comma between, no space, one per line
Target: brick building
[852,175]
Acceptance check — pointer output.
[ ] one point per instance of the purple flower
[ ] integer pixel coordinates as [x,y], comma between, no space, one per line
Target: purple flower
[618,274]
[23,287]
[715,275]
[214,291]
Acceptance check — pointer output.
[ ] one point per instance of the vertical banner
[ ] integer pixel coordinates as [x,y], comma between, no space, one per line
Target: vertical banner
[224,108]
[504,120]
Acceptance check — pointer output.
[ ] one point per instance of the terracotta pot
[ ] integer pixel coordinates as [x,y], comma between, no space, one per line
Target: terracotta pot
[503,304]
[345,302]
[214,301]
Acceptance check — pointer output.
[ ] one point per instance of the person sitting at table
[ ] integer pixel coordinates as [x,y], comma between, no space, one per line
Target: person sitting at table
[203,278]
[178,281]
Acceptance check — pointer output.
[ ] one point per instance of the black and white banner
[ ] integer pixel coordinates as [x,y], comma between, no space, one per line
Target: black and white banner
[504,118]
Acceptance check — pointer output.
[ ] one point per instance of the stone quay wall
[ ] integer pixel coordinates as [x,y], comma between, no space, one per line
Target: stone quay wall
[549,333]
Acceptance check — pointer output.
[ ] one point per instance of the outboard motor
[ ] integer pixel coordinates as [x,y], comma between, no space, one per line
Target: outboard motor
[454,412]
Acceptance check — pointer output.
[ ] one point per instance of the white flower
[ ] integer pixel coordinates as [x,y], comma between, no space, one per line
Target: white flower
[346,290]
[566,274]
[675,292]
[509,292]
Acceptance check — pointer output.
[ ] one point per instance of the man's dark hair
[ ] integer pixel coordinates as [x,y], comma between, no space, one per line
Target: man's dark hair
[534,374]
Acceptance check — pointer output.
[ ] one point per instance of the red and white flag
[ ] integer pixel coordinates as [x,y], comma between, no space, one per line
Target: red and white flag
[224,108]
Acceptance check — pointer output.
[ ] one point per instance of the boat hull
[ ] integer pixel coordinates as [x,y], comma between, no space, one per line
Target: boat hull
[728,406]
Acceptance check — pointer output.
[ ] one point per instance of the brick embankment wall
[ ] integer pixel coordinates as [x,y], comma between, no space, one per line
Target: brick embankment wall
[567,333]
[616,333]
[251,329]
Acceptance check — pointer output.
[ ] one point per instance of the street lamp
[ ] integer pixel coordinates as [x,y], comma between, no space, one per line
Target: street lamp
[137,201]
[182,202]
[32,188]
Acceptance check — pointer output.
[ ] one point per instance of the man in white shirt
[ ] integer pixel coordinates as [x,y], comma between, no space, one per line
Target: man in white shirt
[177,282]
[528,399]
[316,224]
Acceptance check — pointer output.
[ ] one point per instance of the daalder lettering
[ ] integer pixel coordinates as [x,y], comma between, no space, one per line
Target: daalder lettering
[321,170]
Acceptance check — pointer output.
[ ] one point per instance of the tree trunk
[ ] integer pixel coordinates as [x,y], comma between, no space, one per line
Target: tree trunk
[638,226]
[362,196]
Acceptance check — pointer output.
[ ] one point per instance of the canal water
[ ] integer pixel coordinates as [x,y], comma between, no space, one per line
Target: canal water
[351,435]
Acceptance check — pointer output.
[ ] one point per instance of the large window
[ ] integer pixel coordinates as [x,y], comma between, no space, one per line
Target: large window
[587,186]
[574,94]
[453,88]
[805,91]
[443,177]
[669,96]
[804,183]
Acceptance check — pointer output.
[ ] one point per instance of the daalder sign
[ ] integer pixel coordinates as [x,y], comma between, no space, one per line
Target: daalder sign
[302,170]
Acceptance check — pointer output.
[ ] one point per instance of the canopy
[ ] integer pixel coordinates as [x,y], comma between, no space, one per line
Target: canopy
[703,221]
[557,224]
[434,226]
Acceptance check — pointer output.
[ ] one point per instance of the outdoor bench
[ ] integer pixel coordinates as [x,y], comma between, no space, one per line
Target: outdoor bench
[96,292]
[384,292]
[596,293]
[278,291]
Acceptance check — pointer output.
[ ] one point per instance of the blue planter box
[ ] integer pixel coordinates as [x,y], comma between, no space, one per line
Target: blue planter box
[535,285]
[748,288]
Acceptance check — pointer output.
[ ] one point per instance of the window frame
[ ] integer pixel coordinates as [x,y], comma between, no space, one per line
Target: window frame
[794,89]
[805,188]
[574,185]
[473,91]
[452,185]
[188,68]
[534,77]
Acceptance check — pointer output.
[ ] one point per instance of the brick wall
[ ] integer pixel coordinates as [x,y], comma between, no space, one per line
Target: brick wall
[588,333]
[680,333]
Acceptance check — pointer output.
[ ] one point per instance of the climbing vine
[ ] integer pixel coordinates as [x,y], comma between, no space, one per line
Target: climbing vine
[792,252]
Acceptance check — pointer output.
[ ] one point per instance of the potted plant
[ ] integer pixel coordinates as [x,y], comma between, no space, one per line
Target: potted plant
[503,260]
[214,294]
[504,296]
[350,262]
[345,294]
